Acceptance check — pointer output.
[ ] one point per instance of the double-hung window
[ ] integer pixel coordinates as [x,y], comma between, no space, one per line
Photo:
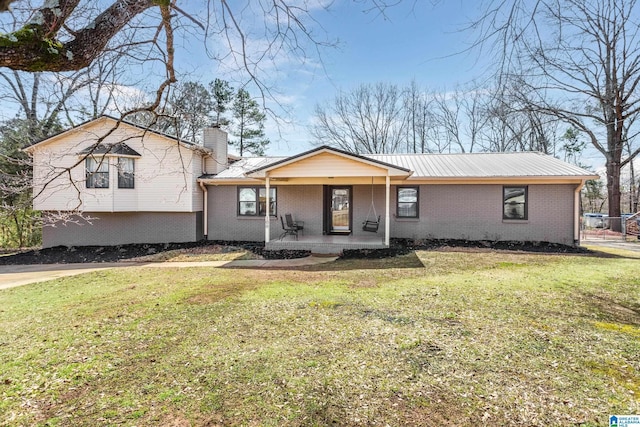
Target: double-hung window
[126,169]
[97,172]
[407,202]
[515,205]
[252,201]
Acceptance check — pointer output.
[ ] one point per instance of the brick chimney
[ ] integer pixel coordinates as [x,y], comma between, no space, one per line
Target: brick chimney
[215,139]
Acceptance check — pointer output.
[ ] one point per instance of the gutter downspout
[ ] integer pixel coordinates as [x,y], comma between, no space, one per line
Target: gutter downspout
[205,211]
[576,213]
[205,207]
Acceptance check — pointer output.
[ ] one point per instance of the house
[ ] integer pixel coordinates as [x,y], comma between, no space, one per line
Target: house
[130,185]
[145,187]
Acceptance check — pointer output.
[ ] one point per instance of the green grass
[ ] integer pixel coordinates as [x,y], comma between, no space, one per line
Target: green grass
[430,338]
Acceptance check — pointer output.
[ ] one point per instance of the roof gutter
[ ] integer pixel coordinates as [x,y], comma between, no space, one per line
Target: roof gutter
[537,179]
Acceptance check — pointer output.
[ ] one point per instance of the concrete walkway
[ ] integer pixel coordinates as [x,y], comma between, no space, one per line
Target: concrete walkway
[616,244]
[18,275]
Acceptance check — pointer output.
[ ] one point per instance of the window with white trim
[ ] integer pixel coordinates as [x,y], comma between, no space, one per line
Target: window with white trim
[252,201]
[97,172]
[126,169]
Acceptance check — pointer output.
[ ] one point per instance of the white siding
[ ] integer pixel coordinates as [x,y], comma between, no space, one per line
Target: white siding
[165,174]
[325,165]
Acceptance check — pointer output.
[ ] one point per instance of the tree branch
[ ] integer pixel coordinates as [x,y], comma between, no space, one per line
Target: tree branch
[36,47]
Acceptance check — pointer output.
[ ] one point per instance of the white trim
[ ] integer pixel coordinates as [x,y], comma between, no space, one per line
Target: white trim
[371,162]
[205,210]
[387,217]
[142,132]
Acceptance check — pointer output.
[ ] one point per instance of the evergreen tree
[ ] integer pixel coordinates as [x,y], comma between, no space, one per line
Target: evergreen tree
[249,124]
[221,96]
[18,221]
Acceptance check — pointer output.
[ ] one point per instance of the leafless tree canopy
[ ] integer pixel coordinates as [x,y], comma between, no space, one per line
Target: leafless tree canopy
[369,119]
[386,118]
[574,60]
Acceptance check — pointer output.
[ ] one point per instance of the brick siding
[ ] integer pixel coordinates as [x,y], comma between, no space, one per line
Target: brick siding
[126,227]
[471,212]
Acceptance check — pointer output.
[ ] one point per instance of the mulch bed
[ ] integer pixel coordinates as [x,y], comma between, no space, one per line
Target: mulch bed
[404,246]
[84,254]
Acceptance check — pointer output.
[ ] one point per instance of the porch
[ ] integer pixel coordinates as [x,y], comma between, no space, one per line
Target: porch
[331,244]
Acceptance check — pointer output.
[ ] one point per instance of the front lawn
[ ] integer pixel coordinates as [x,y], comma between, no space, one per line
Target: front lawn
[436,338]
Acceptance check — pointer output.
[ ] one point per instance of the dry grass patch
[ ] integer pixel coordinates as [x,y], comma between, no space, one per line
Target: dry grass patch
[199,253]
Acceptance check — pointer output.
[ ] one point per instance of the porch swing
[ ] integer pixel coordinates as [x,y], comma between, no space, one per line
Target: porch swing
[371,223]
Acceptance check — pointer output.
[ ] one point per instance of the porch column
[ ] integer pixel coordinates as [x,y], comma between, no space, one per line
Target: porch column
[267,222]
[387,223]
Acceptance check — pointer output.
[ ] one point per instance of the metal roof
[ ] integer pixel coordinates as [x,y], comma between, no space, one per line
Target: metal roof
[237,169]
[443,166]
[483,165]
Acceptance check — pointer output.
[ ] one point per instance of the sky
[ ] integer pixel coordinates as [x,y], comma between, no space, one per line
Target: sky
[418,41]
[414,40]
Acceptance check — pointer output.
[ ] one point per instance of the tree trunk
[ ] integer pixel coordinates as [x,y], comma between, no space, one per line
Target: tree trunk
[19,235]
[632,187]
[613,191]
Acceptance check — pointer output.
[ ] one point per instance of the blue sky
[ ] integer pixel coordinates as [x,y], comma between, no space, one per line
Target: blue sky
[417,42]
[413,41]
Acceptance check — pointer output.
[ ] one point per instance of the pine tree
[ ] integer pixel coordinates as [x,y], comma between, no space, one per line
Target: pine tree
[222,95]
[249,124]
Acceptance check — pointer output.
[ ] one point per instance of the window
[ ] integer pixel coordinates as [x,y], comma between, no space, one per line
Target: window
[97,172]
[125,172]
[407,201]
[252,201]
[514,202]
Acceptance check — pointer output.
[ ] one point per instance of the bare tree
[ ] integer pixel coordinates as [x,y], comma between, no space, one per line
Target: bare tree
[461,116]
[369,119]
[508,128]
[192,104]
[576,61]
[421,121]
[103,93]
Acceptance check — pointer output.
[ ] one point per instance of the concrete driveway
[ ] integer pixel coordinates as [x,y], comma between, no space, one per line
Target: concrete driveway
[17,275]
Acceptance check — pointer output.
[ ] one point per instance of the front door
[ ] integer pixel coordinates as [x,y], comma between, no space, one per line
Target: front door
[338,210]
